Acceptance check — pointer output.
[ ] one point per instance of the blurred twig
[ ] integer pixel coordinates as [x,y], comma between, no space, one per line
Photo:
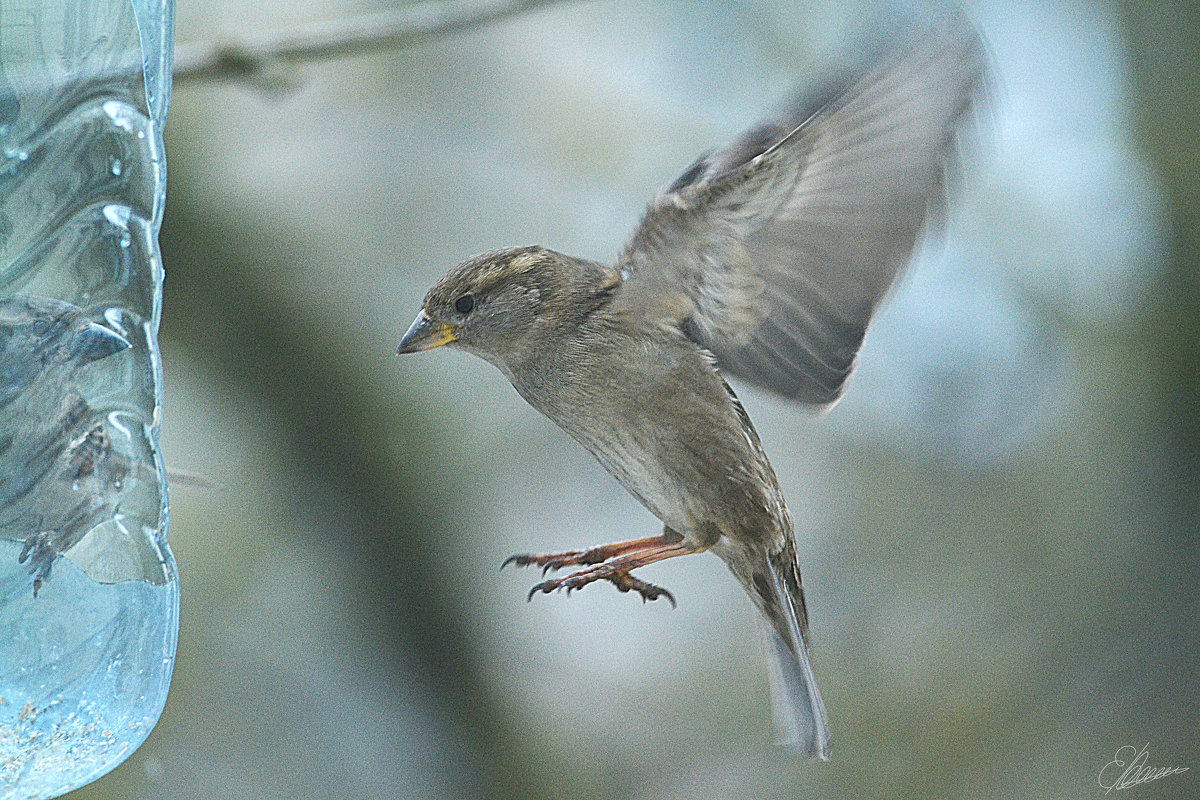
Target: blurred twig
[264,63]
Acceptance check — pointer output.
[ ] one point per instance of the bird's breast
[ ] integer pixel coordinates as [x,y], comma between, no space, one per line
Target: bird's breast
[658,417]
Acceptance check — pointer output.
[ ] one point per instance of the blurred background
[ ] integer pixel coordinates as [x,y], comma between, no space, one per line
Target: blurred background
[997,526]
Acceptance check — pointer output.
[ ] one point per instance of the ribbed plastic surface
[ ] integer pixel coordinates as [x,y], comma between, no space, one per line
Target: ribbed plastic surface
[89,599]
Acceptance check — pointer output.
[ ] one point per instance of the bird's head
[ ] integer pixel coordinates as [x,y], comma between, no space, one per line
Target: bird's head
[38,334]
[504,306]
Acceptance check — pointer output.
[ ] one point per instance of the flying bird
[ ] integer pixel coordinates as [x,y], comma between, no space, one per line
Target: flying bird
[765,261]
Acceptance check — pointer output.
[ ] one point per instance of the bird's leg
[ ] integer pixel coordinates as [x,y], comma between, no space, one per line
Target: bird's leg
[617,571]
[593,555]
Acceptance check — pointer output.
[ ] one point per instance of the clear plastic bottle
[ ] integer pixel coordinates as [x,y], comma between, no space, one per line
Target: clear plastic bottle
[89,600]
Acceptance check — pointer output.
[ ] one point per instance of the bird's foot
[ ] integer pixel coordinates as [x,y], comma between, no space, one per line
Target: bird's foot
[582,558]
[626,582]
[619,578]
[608,562]
[548,561]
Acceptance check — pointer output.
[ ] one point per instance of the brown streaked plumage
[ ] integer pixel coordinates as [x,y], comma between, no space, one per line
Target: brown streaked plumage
[764,260]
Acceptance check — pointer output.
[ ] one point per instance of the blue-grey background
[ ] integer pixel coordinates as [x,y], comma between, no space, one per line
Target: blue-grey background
[996,526]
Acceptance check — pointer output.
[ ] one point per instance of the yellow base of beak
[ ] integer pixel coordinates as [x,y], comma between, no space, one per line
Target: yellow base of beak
[425,334]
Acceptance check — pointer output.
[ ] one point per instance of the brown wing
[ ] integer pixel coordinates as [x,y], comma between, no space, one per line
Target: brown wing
[774,252]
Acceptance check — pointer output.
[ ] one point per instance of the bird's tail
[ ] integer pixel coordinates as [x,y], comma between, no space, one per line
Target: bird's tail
[799,712]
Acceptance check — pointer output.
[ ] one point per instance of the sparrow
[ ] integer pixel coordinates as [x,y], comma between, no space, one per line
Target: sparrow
[764,261]
[59,475]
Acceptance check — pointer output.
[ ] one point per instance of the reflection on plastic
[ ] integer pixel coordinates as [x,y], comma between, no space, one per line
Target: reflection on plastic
[88,592]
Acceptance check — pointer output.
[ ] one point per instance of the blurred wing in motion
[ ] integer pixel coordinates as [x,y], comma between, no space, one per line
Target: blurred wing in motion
[774,252]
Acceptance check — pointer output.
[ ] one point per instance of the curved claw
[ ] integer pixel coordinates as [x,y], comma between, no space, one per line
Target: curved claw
[626,583]
[623,581]
[553,561]
[547,563]
[649,592]
[656,593]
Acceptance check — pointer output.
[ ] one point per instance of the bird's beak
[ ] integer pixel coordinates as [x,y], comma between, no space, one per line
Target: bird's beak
[95,342]
[425,334]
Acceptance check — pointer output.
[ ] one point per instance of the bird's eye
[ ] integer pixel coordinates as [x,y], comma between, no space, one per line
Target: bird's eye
[464,304]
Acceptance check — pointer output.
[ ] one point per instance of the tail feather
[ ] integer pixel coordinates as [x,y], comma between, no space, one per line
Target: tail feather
[799,712]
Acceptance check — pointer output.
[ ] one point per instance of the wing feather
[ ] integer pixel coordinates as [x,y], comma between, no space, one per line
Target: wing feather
[774,252]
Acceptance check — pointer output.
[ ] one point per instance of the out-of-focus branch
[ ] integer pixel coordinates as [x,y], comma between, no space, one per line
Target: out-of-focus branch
[263,63]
